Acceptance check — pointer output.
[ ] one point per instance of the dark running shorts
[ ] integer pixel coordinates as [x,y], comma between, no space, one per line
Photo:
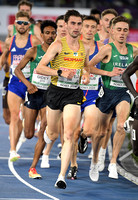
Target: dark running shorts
[58,97]
[5,92]
[111,99]
[134,112]
[37,100]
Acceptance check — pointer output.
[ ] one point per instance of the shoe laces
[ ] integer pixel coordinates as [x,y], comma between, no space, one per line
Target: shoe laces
[33,170]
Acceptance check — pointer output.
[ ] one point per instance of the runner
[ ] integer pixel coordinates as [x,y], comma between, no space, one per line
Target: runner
[132,68]
[17,47]
[25,6]
[114,96]
[70,63]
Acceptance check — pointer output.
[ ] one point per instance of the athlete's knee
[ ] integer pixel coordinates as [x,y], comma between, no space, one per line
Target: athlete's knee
[28,133]
[120,128]
[53,135]
[68,134]
[6,119]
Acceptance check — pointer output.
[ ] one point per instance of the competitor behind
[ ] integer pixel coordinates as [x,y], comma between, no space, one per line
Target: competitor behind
[36,87]
[132,68]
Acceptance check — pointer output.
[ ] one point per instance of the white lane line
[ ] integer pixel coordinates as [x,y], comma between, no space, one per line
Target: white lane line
[1,85]
[120,170]
[11,167]
[125,155]
[6,175]
[20,199]
[79,159]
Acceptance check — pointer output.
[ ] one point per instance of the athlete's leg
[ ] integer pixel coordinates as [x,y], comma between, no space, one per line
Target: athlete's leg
[29,122]
[40,142]
[14,103]
[122,110]
[71,119]
[134,137]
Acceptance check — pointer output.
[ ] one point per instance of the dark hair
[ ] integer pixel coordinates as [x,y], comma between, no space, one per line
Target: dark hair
[120,19]
[60,17]
[46,23]
[71,13]
[89,17]
[21,14]
[95,11]
[109,11]
[25,2]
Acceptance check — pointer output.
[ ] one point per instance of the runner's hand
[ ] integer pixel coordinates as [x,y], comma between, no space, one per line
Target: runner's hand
[116,71]
[31,88]
[85,79]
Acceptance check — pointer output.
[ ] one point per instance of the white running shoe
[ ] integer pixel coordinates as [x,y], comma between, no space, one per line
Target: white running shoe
[93,172]
[45,162]
[46,138]
[90,154]
[101,160]
[59,145]
[60,183]
[127,124]
[14,156]
[112,171]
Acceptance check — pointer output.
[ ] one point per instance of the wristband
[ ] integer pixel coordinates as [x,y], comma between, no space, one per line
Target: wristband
[59,72]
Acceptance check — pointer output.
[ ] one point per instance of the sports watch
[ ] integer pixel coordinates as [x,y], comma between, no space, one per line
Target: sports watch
[59,72]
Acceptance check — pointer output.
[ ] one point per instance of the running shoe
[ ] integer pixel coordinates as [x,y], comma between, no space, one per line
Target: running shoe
[83,144]
[33,174]
[46,138]
[93,172]
[45,162]
[60,183]
[112,171]
[90,155]
[101,160]
[72,174]
[127,124]
[59,156]
[14,156]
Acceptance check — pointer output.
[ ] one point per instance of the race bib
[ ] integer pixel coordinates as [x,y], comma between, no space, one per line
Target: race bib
[93,85]
[41,81]
[117,81]
[25,70]
[69,83]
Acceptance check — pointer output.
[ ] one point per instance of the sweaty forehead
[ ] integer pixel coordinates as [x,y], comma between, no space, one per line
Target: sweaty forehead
[23,19]
[75,19]
[25,8]
[121,25]
[49,28]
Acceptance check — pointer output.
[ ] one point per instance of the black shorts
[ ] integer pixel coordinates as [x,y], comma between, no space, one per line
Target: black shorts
[134,112]
[58,97]
[37,100]
[111,99]
[5,92]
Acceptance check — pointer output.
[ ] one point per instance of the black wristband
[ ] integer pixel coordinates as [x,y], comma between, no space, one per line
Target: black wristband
[59,72]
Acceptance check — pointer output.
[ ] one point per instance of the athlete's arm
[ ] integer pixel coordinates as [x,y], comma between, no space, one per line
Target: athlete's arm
[29,56]
[131,69]
[103,55]
[35,41]
[4,56]
[86,69]
[10,30]
[37,33]
[42,68]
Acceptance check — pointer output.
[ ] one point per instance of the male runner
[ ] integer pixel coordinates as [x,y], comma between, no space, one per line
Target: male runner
[17,47]
[69,64]
[119,55]
[132,68]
